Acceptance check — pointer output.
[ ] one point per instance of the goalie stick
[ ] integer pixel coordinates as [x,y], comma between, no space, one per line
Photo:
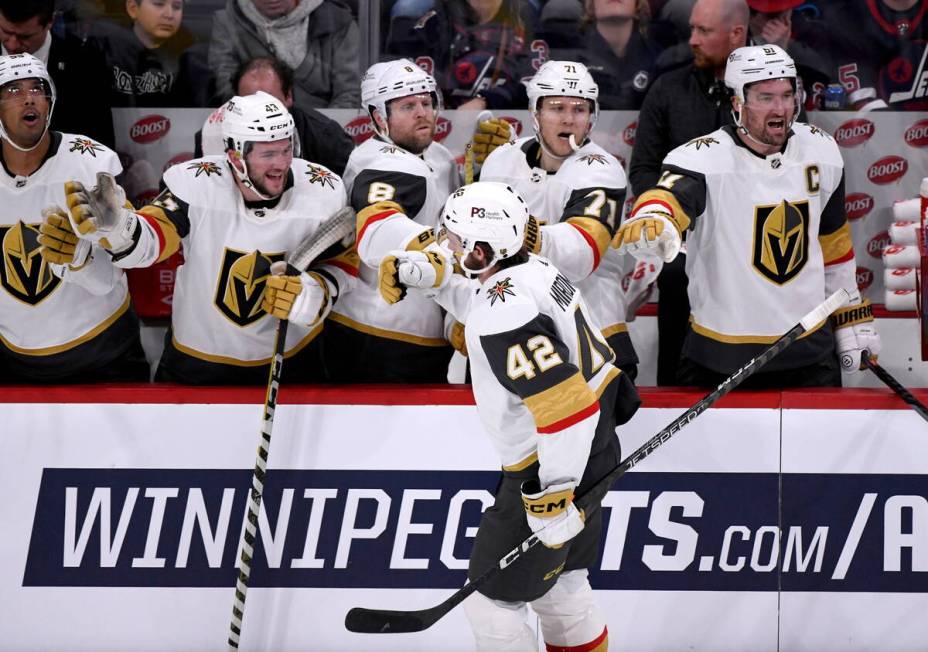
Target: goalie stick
[336,228]
[895,385]
[381,621]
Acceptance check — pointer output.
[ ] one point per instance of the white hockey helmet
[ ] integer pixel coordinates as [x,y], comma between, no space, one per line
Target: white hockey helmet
[756,63]
[391,80]
[256,118]
[562,79]
[490,212]
[14,67]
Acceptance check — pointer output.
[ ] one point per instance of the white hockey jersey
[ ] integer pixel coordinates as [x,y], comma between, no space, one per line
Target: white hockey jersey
[580,207]
[228,250]
[769,241]
[41,313]
[379,171]
[539,365]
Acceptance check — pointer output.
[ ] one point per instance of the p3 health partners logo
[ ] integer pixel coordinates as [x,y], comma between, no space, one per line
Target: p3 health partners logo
[401,529]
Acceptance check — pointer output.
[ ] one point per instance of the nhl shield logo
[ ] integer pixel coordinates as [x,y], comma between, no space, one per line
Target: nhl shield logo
[781,240]
[242,278]
[24,274]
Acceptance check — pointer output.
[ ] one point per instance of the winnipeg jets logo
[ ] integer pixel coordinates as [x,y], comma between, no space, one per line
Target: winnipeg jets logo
[704,141]
[205,167]
[85,146]
[500,290]
[320,176]
[589,159]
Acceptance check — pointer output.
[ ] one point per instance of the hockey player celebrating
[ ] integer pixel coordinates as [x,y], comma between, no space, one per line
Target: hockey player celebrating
[550,398]
[234,215]
[769,240]
[65,314]
[398,182]
[575,189]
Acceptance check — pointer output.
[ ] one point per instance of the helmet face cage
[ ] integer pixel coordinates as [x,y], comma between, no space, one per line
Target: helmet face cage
[488,212]
[17,67]
[561,79]
[393,80]
[257,118]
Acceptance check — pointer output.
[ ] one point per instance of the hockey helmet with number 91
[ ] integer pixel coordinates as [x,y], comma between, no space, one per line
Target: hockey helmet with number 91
[256,118]
[16,67]
[489,212]
[391,80]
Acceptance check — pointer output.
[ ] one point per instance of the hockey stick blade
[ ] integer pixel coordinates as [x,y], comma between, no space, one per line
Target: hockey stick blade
[382,621]
[335,228]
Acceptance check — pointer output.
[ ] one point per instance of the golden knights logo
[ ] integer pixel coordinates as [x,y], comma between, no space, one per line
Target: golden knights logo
[500,290]
[320,176]
[24,274]
[205,167]
[589,159]
[85,146]
[389,149]
[781,240]
[242,277]
[703,141]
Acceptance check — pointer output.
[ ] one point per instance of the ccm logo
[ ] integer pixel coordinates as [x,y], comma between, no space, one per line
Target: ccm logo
[857,205]
[515,123]
[628,134]
[149,129]
[887,170]
[442,129]
[854,132]
[360,129]
[864,278]
[878,243]
[917,134]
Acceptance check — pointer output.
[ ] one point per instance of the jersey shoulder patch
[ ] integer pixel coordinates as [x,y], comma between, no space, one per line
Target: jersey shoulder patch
[593,166]
[816,143]
[709,153]
[193,180]
[89,153]
[317,176]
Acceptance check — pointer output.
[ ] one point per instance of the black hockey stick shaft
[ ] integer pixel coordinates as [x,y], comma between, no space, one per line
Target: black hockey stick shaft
[895,385]
[377,621]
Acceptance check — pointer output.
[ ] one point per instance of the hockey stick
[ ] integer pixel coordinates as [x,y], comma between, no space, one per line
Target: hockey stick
[380,621]
[895,385]
[334,229]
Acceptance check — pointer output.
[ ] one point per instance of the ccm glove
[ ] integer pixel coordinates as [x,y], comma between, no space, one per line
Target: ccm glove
[412,269]
[855,331]
[649,234]
[100,214]
[301,298]
[489,135]
[551,513]
[60,245]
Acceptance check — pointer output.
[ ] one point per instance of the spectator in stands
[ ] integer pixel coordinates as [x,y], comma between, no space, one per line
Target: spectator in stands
[76,67]
[477,50]
[317,138]
[681,105]
[65,314]
[317,39]
[614,45]
[151,63]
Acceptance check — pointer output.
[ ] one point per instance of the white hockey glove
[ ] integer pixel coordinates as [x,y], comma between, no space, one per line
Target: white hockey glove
[100,214]
[551,513]
[648,234]
[855,331]
[400,270]
[300,297]
[60,245]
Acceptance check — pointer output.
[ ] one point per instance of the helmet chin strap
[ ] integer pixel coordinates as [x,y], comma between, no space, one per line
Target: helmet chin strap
[245,179]
[736,116]
[6,136]
[572,141]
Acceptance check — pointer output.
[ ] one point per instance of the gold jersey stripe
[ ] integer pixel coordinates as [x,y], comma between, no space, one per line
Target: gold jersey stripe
[524,464]
[168,231]
[222,359]
[595,229]
[609,331]
[560,402]
[679,216]
[86,337]
[610,376]
[390,335]
[744,339]
[837,245]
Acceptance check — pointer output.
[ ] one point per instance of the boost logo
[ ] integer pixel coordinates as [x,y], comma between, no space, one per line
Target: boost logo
[628,134]
[917,134]
[878,243]
[864,278]
[857,205]
[442,129]
[360,129]
[149,129]
[854,132]
[887,170]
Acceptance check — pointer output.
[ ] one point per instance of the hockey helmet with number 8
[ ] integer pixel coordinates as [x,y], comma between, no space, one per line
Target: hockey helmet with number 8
[391,80]
[16,67]
[486,211]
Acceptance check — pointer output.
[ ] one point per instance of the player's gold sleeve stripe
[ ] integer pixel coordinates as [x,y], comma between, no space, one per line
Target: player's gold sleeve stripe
[222,359]
[744,339]
[390,335]
[669,200]
[611,375]
[562,405]
[169,238]
[348,261]
[596,230]
[421,240]
[374,213]
[837,246]
[86,337]
[598,644]
[609,331]
[523,464]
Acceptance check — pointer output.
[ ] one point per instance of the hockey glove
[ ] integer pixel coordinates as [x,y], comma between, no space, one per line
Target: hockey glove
[456,337]
[533,235]
[412,269]
[855,331]
[489,135]
[100,214]
[649,233]
[301,298]
[60,245]
[551,513]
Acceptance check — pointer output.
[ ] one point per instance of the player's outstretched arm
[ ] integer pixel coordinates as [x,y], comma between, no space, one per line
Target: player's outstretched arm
[73,259]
